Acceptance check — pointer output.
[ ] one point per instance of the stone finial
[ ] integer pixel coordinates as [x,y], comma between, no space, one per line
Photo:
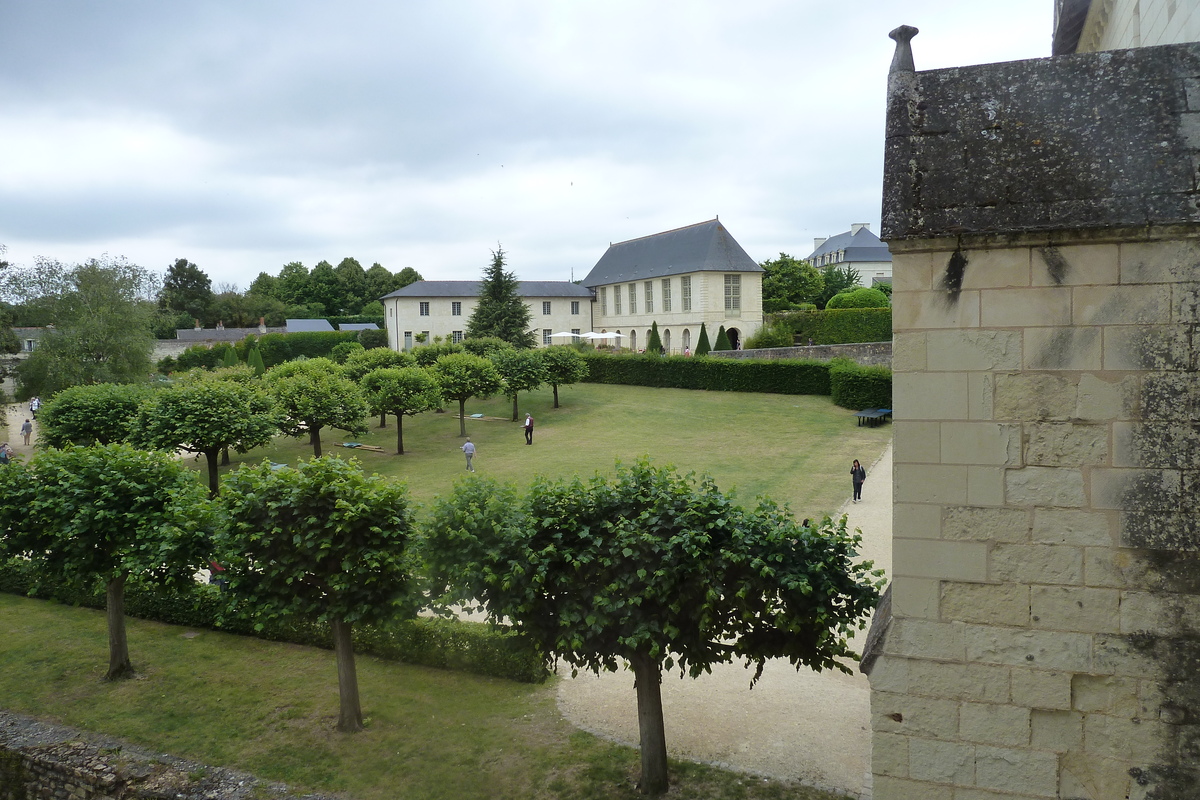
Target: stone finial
[902,61]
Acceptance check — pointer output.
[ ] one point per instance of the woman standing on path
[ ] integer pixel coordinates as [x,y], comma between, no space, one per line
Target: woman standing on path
[857,475]
[27,431]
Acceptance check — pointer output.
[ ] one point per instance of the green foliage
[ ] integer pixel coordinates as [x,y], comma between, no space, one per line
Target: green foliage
[463,376]
[840,326]
[772,375]
[401,391]
[858,298]
[8,339]
[373,338]
[428,354]
[342,351]
[280,347]
[564,366]
[187,290]
[654,345]
[857,387]
[352,284]
[501,311]
[361,362]
[722,342]
[102,514]
[230,358]
[484,346]
[254,360]
[661,570]
[788,282]
[313,394]
[206,415]
[776,334]
[199,355]
[703,348]
[102,413]
[521,371]
[836,279]
[103,325]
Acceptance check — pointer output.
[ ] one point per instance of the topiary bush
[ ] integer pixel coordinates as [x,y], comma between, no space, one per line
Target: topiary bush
[861,297]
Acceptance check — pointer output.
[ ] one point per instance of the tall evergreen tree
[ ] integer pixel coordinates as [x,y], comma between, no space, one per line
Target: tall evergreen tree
[501,312]
[654,343]
[702,345]
[722,342]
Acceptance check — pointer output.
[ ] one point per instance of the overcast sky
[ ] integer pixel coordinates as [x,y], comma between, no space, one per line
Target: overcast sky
[246,134]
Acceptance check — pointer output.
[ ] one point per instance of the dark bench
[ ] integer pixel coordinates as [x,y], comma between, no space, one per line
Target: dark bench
[872,416]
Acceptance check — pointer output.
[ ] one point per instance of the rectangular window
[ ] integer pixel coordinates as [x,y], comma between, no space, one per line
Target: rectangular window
[456,336]
[666,294]
[425,338]
[456,309]
[616,299]
[575,307]
[545,306]
[546,335]
[633,298]
[408,340]
[685,289]
[733,293]
[424,309]
[604,301]
[648,291]
[576,332]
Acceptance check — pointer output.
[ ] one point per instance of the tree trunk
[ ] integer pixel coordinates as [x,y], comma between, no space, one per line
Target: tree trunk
[383,419]
[399,434]
[556,395]
[119,665]
[214,482]
[350,719]
[462,417]
[315,440]
[224,456]
[514,419]
[647,679]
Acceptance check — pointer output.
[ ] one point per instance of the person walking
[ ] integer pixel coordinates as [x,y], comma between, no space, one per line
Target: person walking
[469,450]
[857,475]
[34,405]
[27,431]
[528,429]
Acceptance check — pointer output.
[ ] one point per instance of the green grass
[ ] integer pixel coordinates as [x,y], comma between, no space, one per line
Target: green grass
[796,449]
[271,709]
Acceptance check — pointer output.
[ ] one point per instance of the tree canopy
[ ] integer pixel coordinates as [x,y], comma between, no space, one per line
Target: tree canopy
[186,289]
[660,570]
[100,413]
[501,312]
[788,282]
[859,298]
[403,391]
[318,541]
[564,366]
[522,371]
[836,279]
[313,394]
[463,376]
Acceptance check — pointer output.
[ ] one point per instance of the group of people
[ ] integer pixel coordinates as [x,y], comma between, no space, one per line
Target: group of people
[468,447]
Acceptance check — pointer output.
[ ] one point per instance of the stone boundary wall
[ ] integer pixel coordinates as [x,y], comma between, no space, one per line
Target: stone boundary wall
[39,759]
[868,354]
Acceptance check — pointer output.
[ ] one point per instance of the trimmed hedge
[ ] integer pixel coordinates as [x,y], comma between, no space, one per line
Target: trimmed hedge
[779,376]
[277,348]
[858,387]
[839,325]
[473,647]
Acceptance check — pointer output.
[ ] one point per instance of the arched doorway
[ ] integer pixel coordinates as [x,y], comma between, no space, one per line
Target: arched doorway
[633,341]
[687,340]
[735,338]
[666,339]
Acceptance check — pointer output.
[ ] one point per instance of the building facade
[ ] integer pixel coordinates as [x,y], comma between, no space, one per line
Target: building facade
[679,279]
[425,310]
[857,248]
[1089,26]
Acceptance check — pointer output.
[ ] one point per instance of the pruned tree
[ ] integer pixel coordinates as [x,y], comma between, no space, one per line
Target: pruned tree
[722,342]
[501,311]
[661,571]
[313,394]
[254,360]
[319,541]
[401,391]
[207,416]
[703,348]
[564,366]
[654,344]
[360,363]
[101,515]
[101,413]
[521,370]
[463,376]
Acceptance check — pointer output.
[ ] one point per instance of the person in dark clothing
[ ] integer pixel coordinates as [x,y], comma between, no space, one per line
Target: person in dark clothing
[857,475]
[528,429]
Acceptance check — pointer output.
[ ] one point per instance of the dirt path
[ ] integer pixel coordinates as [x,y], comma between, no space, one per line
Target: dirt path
[797,725]
[17,414]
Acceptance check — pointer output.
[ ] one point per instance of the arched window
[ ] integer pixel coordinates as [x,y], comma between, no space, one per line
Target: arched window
[633,339]
[687,339]
[666,339]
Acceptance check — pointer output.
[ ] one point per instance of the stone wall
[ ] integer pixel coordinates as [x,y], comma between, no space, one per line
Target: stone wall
[869,354]
[1046,559]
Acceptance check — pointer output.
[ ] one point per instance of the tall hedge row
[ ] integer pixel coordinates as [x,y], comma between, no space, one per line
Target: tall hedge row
[840,325]
[448,644]
[858,387]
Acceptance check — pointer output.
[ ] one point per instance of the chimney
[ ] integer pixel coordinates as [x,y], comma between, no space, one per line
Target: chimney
[197,323]
[858,226]
[820,240]
[262,324]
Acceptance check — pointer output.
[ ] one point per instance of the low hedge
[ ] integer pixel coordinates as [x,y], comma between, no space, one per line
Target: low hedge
[473,647]
[778,376]
[858,387]
[839,325]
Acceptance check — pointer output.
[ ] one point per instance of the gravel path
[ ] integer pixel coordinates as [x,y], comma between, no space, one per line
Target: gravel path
[794,725]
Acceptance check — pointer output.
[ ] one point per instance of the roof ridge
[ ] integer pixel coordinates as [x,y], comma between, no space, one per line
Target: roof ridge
[672,230]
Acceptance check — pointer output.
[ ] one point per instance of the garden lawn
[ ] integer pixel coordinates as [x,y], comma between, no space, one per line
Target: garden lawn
[796,449]
[271,709]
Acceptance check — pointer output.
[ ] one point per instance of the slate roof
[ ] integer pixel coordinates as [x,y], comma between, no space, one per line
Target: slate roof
[862,245]
[358,326]
[1069,19]
[471,289]
[703,247]
[221,335]
[296,325]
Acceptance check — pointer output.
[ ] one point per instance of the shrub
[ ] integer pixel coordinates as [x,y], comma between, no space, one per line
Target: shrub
[342,351]
[277,348]
[858,298]
[857,387]
[775,375]
[777,334]
[371,339]
[840,326]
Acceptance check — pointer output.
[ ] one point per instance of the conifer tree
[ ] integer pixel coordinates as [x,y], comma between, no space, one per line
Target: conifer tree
[654,343]
[722,340]
[702,345]
[501,311]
